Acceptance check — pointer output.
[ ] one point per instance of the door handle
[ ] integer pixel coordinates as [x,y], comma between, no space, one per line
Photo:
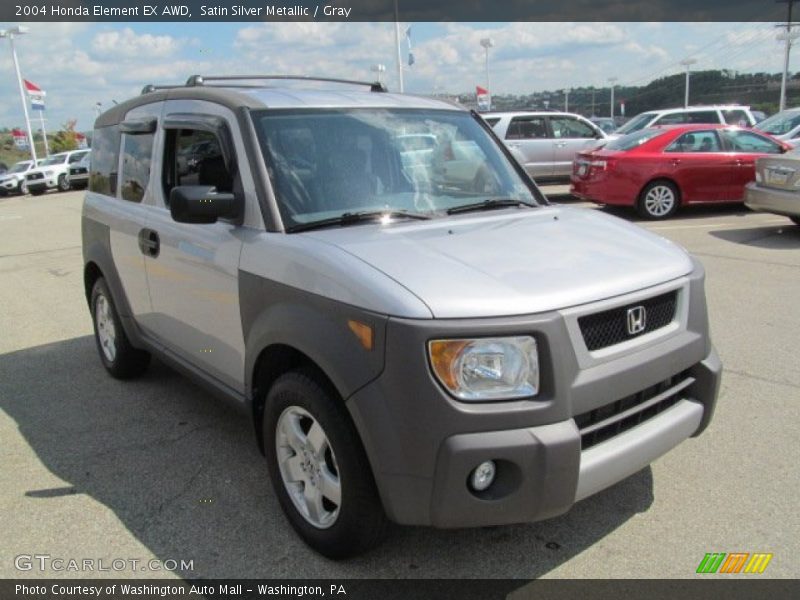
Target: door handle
[149,243]
[561,144]
[675,162]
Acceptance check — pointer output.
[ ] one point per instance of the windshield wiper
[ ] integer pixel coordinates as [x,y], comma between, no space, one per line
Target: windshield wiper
[353,218]
[488,204]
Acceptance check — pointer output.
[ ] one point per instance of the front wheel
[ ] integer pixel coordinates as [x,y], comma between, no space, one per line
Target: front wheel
[119,357]
[63,183]
[22,188]
[319,469]
[658,200]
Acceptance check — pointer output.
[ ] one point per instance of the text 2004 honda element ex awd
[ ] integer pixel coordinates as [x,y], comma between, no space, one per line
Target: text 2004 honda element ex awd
[419,336]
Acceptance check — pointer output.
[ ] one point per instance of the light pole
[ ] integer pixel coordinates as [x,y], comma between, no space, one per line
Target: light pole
[379,69]
[566,100]
[397,47]
[687,62]
[488,43]
[10,34]
[612,81]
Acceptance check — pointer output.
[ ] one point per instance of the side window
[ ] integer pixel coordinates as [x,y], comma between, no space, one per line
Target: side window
[746,141]
[105,157]
[672,119]
[194,157]
[570,127]
[736,117]
[137,151]
[696,141]
[76,157]
[526,128]
[702,116]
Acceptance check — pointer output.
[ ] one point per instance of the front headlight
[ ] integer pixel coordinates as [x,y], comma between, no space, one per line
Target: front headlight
[503,368]
[48,173]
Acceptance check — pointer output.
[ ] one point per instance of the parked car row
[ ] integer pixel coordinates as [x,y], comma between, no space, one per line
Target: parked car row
[63,171]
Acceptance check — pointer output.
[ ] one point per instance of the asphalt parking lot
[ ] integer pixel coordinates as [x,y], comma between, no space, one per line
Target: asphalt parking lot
[92,467]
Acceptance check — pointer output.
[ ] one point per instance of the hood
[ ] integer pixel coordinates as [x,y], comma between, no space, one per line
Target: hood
[514,262]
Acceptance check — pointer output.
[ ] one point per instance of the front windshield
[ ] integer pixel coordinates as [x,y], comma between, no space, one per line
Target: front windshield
[20,167]
[636,123]
[326,163]
[56,159]
[633,140]
[781,123]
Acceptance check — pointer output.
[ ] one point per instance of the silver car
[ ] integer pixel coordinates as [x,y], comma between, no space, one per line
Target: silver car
[777,186]
[415,334]
[545,143]
[784,125]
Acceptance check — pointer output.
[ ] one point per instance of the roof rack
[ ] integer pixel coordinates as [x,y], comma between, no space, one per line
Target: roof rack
[149,88]
[198,80]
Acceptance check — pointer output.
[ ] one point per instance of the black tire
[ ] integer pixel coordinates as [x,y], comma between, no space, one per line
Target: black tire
[125,361]
[63,184]
[649,207]
[22,188]
[361,523]
[795,220]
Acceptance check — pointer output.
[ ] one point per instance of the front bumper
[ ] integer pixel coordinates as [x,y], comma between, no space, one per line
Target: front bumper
[771,200]
[423,444]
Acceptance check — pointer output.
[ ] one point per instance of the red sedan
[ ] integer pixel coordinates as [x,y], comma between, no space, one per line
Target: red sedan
[659,169]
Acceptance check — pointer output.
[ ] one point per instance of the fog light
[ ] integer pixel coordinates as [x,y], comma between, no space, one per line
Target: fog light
[483,476]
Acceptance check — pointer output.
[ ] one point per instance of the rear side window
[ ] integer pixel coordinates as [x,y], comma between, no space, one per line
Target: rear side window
[526,128]
[105,158]
[137,151]
[696,141]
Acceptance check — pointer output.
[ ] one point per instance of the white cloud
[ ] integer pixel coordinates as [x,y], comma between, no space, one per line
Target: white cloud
[127,43]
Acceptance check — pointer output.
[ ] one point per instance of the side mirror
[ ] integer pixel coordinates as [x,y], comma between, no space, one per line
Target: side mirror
[202,204]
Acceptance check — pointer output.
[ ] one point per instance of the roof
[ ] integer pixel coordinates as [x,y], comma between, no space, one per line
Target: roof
[279,96]
[517,113]
[698,108]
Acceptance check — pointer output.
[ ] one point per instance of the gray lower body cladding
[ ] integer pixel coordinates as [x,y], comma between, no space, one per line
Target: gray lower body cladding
[551,451]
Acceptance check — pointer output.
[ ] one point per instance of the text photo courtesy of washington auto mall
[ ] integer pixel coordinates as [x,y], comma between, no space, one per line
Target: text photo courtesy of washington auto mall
[385,299]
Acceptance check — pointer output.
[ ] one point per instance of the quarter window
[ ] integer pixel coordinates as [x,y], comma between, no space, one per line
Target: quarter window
[526,128]
[736,117]
[137,151]
[105,158]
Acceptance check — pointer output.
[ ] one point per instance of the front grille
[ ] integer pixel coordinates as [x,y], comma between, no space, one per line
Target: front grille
[607,421]
[77,171]
[33,176]
[610,327]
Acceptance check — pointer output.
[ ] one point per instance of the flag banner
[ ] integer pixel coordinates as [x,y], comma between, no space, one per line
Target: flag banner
[411,59]
[36,94]
[483,98]
[20,139]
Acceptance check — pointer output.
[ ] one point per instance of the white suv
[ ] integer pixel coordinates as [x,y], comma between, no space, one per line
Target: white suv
[13,180]
[52,172]
[731,114]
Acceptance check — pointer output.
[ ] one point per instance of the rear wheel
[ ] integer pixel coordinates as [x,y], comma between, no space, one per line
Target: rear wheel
[63,183]
[119,357]
[795,220]
[22,188]
[319,468]
[658,200]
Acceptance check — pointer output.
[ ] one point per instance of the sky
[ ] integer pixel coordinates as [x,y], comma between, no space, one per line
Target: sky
[81,64]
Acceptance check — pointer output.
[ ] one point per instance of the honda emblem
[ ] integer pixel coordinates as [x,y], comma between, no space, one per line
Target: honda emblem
[637,320]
